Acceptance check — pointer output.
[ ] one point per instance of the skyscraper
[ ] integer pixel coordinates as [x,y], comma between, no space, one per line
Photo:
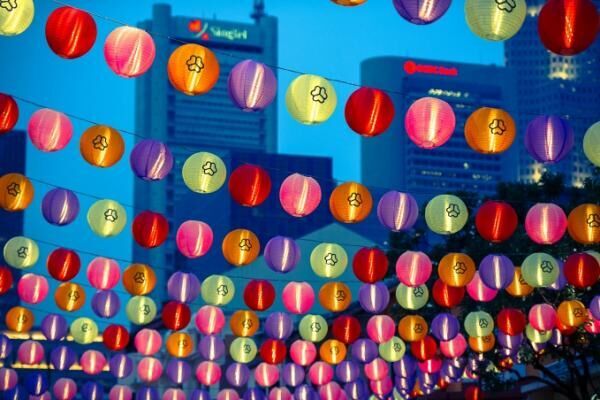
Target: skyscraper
[549,84]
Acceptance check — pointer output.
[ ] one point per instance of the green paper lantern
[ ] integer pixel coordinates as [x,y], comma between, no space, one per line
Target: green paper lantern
[84,330]
[21,252]
[479,323]
[310,99]
[313,328]
[140,310]
[15,16]
[217,290]
[106,218]
[243,350]
[328,260]
[540,270]
[495,20]
[536,336]
[412,298]
[591,144]
[204,172]
[446,214]
[392,350]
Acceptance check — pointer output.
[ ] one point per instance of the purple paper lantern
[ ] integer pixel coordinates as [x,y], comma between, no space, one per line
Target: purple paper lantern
[211,347]
[405,367]
[561,281]
[5,346]
[252,85]
[293,374]
[347,371]
[237,374]
[147,393]
[548,139]
[397,211]
[594,307]
[92,391]
[151,160]
[496,271]
[374,298]
[183,287]
[255,394]
[357,390]
[305,392]
[282,254]
[509,341]
[279,325]
[62,358]
[60,207]
[120,366]
[54,327]
[200,394]
[421,12]
[8,379]
[364,350]
[106,303]
[178,371]
[445,327]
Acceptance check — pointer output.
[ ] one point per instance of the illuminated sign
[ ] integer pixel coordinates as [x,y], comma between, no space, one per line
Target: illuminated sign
[447,93]
[208,31]
[411,67]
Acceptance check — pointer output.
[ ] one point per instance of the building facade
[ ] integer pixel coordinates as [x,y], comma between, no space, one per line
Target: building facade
[549,84]
[393,161]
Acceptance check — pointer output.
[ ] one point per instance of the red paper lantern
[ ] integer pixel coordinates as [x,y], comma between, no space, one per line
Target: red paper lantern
[370,264]
[568,27]
[150,229]
[564,329]
[176,315]
[473,392]
[447,296]
[581,270]
[369,112]
[424,349]
[115,337]
[63,264]
[346,329]
[70,32]
[511,321]
[496,221]
[9,113]
[6,279]
[259,294]
[273,351]
[249,185]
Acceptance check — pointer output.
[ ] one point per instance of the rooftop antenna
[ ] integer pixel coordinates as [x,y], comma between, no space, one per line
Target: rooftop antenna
[259,10]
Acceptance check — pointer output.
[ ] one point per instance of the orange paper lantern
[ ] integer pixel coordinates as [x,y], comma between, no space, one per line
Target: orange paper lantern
[519,287]
[69,296]
[350,202]
[482,344]
[240,247]
[101,146]
[490,130]
[584,223]
[572,313]
[139,279]
[335,296]
[19,319]
[16,192]
[412,328]
[193,69]
[179,344]
[456,269]
[244,323]
[333,351]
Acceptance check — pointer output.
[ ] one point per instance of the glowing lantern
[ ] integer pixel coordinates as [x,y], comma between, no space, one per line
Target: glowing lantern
[106,218]
[495,20]
[350,202]
[349,3]
[243,350]
[333,351]
[545,223]
[129,51]
[490,130]
[549,139]
[299,195]
[429,122]
[392,350]
[84,330]
[140,310]
[537,336]
[380,328]
[64,389]
[273,351]
[447,296]
[519,286]
[421,12]
[446,214]
[116,338]
[21,252]
[8,379]
[151,160]
[479,323]
[210,320]
[252,85]
[103,273]
[542,317]
[424,349]
[369,112]
[204,172]
[591,140]
[456,269]
[249,185]
[479,291]
[482,344]
[92,362]
[244,323]
[346,329]
[16,192]
[282,254]
[412,298]
[374,298]
[60,206]
[370,264]
[496,271]
[572,313]
[139,279]
[584,223]
[150,229]
[310,99]
[149,369]
[19,319]
[455,347]
[240,247]
[70,32]
[496,221]
[193,69]
[298,297]
[32,289]
[540,270]
[259,294]
[15,17]
[49,130]
[335,296]
[70,296]
[302,352]
[568,27]
[413,268]
[511,321]
[147,342]
[101,146]
[328,260]
[217,290]
[9,113]
[176,315]
[582,270]
[194,238]
[6,281]
[445,327]
[397,211]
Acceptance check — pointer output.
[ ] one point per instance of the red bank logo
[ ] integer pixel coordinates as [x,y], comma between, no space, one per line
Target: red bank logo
[411,67]
[199,29]
[205,31]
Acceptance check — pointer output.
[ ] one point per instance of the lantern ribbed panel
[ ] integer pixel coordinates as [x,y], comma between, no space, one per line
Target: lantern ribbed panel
[299,195]
[129,51]
[252,85]
[429,122]
[549,139]
[397,211]
[545,223]
[446,214]
[495,20]
[490,130]
[584,223]
[421,12]
[310,99]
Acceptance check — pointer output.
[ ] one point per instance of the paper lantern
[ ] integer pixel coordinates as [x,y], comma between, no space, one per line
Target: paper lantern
[591,140]
[482,344]
[446,214]
[115,337]
[249,185]
[536,336]
[252,85]
[374,298]
[244,323]
[70,296]
[364,350]
[204,172]
[412,298]
[36,384]
[293,374]
[273,351]
[479,291]
[456,269]
[282,254]
[84,330]
[92,362]
[70,32]
[424,349]
[412,328]
[595,307]
[421,13]
[545,223]
[584,224]
[445,326]
[240,247]
[495,20]
[176,315]
[64,389]
[335,296]
[120,392]
[328,260]
[212,347]
[369,112]
[350,202]
[549,139]
[151,160]
[210,320]
[392,350]
[397,211]
[103,273]
[413,268]
[349,3]
[101,146]
[496,271]
[243,350]
[238,374]
[149,369]
[380,328]
[183,287]
[496,221]
[15,18]
[32,288]
[581,270]
[150,229]
[490,130]
[179,344]
[193,69]
[346,329]
[332,351]
[140,310]
[49,130]
[572,313]
[540,270]
[259,294]
[511,321]
[299,195]
[106,218]
[370,264]
[217,290]
[9,113]
[30,352]
[568,27]
[194,238]
[21,252]
[542,317]
[129,51]
[63,264]
[62,358]
[147,342]
[17,192]
[60,206]
[6,281]
[19,319]
[429,122]
[298,297]
[302,352]
[479,323]
[310,99]
[519,286]
[120,365]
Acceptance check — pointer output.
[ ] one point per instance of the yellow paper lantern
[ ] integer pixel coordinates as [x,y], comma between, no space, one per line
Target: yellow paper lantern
[519,286]
[179,344]
[244,323]
[84,330]
[16,192]
[217,290]
[240,247]
[392,350]
[495,20]
[572,313]
[536,336]
[412,298]
[141,310]
[21,252]
[106,218]
[591,144]
[15,16]
[204,172]
[310,99]
[243,350]
[490,130]
[446,214]
[335,296]
[193,69]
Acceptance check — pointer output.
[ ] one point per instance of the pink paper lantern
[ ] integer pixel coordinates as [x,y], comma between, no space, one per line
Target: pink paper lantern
[479,291]
[542,317]
[320,373]
[92,362]
[380,328]
[382,387]
[8,379]
[429,122]
[280,393]
[147,342]
[208,373]
[303,352]
[210,320]
[149,369]
[173,394]
[129,51]
[30,352]
[431,366]
[299,195]
[545,223]
[64,389]
[455,347]
[32,288]
[592,325]
[413,268]
[331,391]
[103,273]
[227,394]
[377,369]
[298,297]
[266,375]
[194,238]
[49,130]
[120,392]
